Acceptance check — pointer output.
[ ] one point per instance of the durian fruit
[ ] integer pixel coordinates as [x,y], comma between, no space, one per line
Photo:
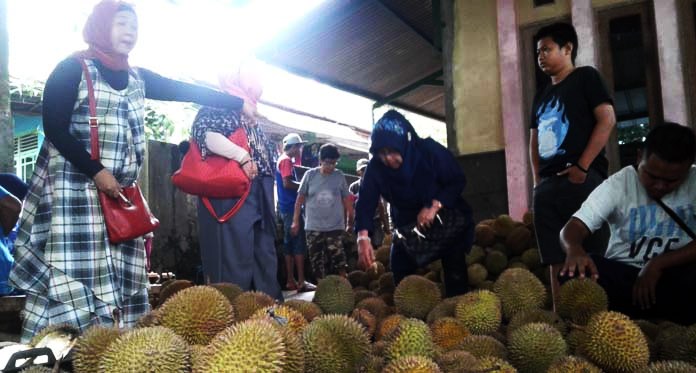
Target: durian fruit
[443,309]
[197,314]
[572,364]
[412,364]
[432,276]
[479,311]
[248,346]
[678,344]
[528,218]
[247,303]
[309,310]
[373,286]
[537,315]
[533,347]
[334,344]
[531,258]
[484,235]
[503,225]
[388,325]
[149,319]
[496,262]
[388,298]
[366,319]
[90,347]
[575,339]
[519,289]
[382,255]
[518,265]
[415,296]
[230,290]
[372,364]
[294,361]
[284,316]
[492,364]
[580,298]
[518,240]
[334,295]
[411,337]
[358,278]
[477,274]
[386,283]
[170,288]
[196,352]
[54,332]
[363,294]
[154,349]
[448,332]
[376,269]
[670,366]
[456,361]
[615,343]
[486,285]
[476,255]
[650,329]
[483,345]
[37,369]
[376,306]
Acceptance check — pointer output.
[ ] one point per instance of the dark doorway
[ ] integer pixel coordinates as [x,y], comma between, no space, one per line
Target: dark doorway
[629,64]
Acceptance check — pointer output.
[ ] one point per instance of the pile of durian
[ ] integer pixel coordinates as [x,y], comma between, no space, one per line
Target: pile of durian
[367,324]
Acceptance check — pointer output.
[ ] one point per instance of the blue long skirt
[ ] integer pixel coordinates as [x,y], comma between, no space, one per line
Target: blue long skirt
[242,250]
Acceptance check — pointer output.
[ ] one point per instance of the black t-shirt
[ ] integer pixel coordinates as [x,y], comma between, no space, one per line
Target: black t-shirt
[564,118]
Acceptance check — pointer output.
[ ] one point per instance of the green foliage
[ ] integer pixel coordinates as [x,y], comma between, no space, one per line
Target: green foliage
[157,126]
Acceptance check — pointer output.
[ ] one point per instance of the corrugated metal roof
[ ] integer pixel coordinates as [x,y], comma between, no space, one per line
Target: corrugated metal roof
[373,48]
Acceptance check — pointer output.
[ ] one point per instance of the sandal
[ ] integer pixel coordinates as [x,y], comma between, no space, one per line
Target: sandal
[291,286]
[306,287]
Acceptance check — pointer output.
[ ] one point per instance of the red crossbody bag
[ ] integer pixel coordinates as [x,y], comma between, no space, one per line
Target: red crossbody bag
[128,216]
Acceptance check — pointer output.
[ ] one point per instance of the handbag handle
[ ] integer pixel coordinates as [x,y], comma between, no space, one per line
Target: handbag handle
[229,214]
[93,121]
[676,218]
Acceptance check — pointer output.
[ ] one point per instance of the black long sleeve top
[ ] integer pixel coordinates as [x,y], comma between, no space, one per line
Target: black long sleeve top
[61,90]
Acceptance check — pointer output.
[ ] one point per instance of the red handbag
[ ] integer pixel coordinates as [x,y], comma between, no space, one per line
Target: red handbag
[128,216]
[214,177]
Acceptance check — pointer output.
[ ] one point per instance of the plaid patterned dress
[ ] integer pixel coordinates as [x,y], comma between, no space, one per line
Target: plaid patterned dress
[64,261]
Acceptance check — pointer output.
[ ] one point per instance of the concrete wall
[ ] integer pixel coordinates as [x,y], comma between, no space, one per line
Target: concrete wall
[476,78]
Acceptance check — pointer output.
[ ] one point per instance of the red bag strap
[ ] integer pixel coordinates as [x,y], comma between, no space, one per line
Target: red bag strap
[93,121]
[229,214]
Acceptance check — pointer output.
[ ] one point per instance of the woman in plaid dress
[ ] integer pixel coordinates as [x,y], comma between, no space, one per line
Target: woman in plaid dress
[65,263]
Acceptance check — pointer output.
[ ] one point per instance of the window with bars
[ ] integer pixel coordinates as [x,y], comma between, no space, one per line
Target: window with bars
[26,149]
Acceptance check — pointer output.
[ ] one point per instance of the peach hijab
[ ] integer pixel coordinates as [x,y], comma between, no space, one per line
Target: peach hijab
[244,82]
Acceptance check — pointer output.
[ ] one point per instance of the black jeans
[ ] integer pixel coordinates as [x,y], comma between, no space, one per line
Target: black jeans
[453,266]
[556,199]
[675,293]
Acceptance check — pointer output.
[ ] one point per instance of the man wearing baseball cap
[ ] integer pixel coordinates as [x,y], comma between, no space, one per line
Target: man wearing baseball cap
[381,217]
[287,184]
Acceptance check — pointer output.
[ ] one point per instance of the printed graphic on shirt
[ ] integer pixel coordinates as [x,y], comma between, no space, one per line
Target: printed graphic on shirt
[552,128]
[325,198]
[651,231]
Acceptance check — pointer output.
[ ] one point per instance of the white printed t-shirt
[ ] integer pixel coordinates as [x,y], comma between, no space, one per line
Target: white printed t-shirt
[640,228]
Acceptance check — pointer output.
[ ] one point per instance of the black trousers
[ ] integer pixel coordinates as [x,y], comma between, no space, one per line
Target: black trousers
[675,293]
[556,199]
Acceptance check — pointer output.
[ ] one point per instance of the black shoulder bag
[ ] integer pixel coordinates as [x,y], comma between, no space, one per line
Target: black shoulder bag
[676,218]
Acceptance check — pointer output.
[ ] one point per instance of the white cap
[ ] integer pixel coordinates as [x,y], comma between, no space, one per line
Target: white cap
[292,139]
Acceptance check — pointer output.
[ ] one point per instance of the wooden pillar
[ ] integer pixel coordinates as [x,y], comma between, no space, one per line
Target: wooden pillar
[6,126]
[669,56]
[514,131]
[447,18]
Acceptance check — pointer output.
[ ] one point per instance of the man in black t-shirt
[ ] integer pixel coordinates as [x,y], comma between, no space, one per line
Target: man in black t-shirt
[572,118]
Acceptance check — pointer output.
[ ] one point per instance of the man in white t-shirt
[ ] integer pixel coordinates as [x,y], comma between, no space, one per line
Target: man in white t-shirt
[649,269]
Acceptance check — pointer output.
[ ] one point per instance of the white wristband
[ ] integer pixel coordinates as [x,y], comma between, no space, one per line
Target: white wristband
[363,238]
